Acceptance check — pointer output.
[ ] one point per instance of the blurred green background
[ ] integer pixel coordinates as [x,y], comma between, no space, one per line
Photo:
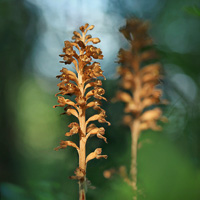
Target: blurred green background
[32,33]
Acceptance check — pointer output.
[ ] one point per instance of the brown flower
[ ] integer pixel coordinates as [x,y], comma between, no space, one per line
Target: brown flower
[83,84]
[140,79]
[93,71]
[75,128]
[139,82]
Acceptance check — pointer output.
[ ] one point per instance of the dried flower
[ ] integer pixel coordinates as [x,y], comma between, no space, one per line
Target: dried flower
[140,75]
[86,88]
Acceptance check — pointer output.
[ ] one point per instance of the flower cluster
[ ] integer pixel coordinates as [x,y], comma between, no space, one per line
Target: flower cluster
[140,75]
[86,88]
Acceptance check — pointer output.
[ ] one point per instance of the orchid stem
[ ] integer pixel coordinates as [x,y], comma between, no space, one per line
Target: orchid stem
[135,130]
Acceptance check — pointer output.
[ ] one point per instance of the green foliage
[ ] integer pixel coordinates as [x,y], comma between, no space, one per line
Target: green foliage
[193,10]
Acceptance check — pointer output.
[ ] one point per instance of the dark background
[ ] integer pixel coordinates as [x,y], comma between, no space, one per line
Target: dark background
[31,38]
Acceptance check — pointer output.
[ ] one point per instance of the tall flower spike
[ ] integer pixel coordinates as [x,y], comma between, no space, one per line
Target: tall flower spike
[140,75]
[86,88]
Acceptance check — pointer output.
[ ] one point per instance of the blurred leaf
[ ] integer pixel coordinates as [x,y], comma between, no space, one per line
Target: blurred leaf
[194,10]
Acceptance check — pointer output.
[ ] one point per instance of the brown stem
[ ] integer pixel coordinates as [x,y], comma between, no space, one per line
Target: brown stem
[82,140]
[135,127]
[135,130]
[134,135]
[82,192]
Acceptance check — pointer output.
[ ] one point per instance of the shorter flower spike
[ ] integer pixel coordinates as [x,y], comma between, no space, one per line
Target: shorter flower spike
[140,76]
[137,77]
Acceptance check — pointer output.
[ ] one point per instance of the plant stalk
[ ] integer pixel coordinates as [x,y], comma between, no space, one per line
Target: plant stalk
[135,130]
[82,142]
[82,192]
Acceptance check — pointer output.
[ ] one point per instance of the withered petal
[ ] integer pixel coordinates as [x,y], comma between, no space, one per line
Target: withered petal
[93,118]
[102,137]
[90,27]
[101,156]
[94,40]
[95,154]
[71,111]
[64,144]
[149,102]
[124,96]
[77,34]
[90,127]
[150,115]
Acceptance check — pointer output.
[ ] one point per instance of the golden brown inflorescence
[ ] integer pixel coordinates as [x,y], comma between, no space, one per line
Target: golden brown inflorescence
[86,88]
[140,74]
